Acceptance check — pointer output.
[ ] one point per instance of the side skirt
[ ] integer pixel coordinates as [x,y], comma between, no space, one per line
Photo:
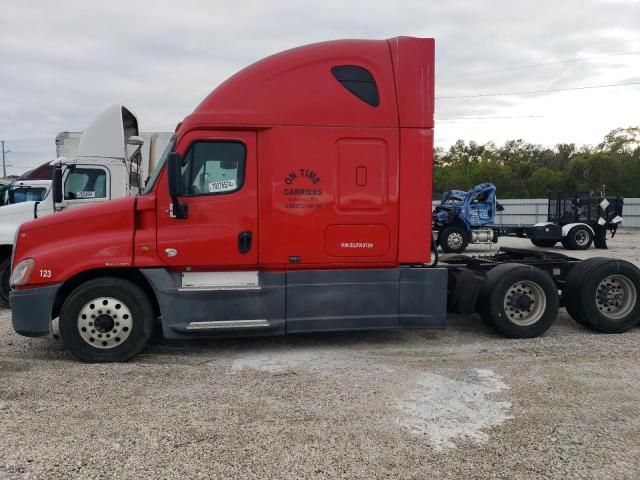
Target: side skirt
[300,301]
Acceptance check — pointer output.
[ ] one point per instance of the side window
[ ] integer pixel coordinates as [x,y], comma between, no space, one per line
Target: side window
[213,167]
[358,81]
[85,183]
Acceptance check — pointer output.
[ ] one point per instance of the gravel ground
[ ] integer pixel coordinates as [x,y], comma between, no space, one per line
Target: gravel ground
[455,403]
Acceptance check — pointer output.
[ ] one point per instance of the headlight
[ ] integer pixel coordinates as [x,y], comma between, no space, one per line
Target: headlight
[22,273]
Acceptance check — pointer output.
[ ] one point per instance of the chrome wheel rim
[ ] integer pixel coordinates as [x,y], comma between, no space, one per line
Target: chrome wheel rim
[105,322]
[455,240]
[616,296]
[581,237]
[525,303]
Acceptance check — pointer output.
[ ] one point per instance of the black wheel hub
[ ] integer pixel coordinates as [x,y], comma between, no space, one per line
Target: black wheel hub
[522,301]
[103,323]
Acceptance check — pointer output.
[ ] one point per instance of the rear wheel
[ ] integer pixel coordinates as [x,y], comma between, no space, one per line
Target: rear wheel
[453,240]
[573,283]
[518,301]
[5,289]
[579,237]
[106,320]
[603,295]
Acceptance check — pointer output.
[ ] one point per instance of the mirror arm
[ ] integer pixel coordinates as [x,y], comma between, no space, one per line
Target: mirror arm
[177,209]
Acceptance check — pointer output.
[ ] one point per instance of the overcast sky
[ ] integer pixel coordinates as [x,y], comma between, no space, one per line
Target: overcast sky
[62,62]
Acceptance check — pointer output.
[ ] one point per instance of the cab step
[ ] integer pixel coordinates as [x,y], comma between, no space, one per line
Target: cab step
[218,325]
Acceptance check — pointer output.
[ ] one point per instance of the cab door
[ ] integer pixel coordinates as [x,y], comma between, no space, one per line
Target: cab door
[219,175]
[86,185]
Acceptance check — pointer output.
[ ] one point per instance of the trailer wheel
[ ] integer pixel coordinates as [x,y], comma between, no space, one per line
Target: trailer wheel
[106,320]
[543,243]
[5,289]
[579,237]
[603,295]
[453,240]
[518,301]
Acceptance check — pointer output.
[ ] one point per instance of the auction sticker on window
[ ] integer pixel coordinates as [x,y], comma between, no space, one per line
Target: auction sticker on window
[222,186]
[85,194]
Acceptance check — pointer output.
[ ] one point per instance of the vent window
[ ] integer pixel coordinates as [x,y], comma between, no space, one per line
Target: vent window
[359,82]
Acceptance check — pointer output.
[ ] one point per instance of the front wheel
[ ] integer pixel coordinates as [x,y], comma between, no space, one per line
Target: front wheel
[518,301]
[453,240]
[106,320]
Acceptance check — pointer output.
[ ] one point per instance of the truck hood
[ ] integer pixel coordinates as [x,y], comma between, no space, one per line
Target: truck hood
[11,216]
[78,240]
[16,209]
[80,215]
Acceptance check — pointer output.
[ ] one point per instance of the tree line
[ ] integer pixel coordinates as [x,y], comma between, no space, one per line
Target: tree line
[525,170]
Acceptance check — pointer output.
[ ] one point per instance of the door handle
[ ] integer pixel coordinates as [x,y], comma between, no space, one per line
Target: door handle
[244,242]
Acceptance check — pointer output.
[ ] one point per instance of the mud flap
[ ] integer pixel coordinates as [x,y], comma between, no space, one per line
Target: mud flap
[600,237]
[465,289]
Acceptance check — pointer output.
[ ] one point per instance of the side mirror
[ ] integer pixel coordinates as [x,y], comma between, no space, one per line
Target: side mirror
[174,172]
[174,175]
[56,184]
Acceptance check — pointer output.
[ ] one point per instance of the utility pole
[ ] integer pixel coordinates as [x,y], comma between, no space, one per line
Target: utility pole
[4,165]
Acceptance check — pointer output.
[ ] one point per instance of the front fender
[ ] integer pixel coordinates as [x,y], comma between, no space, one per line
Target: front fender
[66,244]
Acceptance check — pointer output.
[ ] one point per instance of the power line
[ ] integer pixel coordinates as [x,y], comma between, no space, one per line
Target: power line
[534,92]
[505,117]
[30,140]
[33,151]
[534,65]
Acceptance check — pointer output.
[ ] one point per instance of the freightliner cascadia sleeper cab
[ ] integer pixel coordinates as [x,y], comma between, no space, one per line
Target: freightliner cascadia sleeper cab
[295,198]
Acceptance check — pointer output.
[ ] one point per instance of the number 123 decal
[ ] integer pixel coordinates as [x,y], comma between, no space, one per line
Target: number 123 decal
[45,273]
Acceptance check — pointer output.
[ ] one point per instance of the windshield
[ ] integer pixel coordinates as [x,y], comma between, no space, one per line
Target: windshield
[26,194]
[449,198]
[156,172]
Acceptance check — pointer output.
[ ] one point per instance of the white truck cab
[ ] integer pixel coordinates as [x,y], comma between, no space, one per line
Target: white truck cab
[109,164]
[26,191]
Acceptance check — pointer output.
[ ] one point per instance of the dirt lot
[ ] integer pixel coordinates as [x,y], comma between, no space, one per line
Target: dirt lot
[457,403]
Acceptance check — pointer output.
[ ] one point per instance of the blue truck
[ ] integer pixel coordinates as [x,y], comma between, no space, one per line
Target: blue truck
[575,219]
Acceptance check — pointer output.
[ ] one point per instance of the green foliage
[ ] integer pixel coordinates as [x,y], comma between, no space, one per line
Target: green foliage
[525,170]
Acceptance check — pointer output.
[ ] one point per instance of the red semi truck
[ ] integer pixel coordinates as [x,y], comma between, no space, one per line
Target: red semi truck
[295,198]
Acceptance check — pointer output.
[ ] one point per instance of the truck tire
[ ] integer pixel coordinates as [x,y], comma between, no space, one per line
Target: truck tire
[5,274]
[579,237]
[572,284]
[106,320]
[604,295]
[453,240]
[518,301]
[543,243]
